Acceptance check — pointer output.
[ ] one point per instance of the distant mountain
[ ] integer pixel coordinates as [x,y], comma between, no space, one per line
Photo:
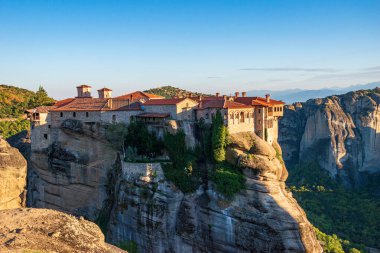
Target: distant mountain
[300,95]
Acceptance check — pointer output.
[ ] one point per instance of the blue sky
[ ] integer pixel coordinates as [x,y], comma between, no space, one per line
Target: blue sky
[222,45]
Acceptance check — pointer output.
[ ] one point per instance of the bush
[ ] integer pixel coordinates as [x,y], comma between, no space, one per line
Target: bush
[228,179]
[10,128]
[184,179]
[145,142]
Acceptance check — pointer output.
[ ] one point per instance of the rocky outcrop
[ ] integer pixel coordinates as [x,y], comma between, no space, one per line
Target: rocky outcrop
[43,230]
[152,212]
[80,173]
[341,132]
[12,177]
[71,175]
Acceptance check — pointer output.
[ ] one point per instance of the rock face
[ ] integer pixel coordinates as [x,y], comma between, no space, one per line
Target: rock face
[82,174]
[43,230]
[341,132]
[12,177]
[263,218]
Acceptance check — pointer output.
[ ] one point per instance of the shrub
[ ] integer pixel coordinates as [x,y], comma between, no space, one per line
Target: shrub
[228,179]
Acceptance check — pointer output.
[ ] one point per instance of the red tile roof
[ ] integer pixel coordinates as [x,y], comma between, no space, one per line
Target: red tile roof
[85,104]
[41,109]
[63,102]
[138,95]
[166,101]
[225,104]
[153,115]
[258,101]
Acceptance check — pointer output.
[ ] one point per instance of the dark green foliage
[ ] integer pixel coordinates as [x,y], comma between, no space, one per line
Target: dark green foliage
[175,144]
[184,179]
[219,138]
[229,180]
[10,128]
[116,134]
[145,142]
[169,91]
[129,246]
[183,171]
[354,216]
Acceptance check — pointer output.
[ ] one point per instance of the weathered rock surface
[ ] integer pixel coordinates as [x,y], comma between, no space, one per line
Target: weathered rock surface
[264,218]
[43,230]
[12,177]
[72,174]
[81,174]
[341,132]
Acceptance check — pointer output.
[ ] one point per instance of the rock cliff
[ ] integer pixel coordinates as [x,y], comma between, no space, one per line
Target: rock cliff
[82,174]
[43,230]
[152,212]
[12,177]
[341,132]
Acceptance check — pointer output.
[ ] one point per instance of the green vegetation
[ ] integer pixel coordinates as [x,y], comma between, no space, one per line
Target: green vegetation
[13,104]
[14,101]
[10,128]
[183,171]
[129,246]
[333,244]
[146,143]
[169,91]
[228,179]
[116,134]
[219,138]
[354,216]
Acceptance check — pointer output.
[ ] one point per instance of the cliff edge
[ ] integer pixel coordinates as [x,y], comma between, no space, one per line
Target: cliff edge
[13,169]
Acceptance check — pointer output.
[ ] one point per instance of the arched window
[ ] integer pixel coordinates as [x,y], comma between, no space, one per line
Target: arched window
[61,114]
[74,114]
[242,117]
[86,114]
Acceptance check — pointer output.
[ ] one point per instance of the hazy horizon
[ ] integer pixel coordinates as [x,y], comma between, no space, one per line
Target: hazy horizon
[205,46]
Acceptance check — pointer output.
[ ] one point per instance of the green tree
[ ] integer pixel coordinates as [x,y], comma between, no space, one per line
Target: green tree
[41,98]
[219,138]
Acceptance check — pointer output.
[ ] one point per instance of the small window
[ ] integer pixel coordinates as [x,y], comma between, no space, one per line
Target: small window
[114,118]
[74,114]
[45,136]
[49,126]
[61,114]
[206,115]
[259,110]
[86,114]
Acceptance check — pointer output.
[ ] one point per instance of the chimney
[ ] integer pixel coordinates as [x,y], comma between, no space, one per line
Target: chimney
[105,93]
[217,94]
[200,98]
[190,95]
[236,94]
[244,94]
[84,91]
[224,97]
[267,98]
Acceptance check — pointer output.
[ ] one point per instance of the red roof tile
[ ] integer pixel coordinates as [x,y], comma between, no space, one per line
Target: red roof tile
[166,101]
[138,95]
[225,104]
[41,109]
[63,102]
[85,104]
[258,101]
